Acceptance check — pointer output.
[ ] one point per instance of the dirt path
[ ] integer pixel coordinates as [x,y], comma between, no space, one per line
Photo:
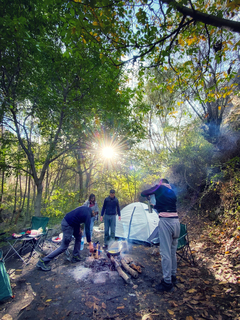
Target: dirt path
[74,291]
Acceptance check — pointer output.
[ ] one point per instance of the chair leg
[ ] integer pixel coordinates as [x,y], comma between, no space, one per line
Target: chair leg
[186,255]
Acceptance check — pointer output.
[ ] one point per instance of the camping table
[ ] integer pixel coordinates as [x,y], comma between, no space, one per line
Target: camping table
[25,241]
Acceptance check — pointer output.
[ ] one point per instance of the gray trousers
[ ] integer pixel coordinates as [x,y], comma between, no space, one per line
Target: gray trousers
[169,231]
[68,232]
[109,223]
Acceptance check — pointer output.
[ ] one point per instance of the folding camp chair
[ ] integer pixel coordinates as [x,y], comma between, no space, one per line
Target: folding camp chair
[25,242]
[183,248]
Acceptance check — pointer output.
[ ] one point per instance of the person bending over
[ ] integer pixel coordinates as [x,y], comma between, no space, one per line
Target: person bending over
[71,227]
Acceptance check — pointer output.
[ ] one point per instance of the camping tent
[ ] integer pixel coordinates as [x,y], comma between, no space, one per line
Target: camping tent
[137,223]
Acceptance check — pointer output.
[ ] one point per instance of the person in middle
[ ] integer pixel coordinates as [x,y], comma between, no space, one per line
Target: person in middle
[91,203]
[109,210]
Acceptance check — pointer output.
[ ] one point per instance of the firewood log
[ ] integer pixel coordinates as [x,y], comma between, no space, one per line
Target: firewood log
[129,269]
[128,259]
[137,268]
[120,271]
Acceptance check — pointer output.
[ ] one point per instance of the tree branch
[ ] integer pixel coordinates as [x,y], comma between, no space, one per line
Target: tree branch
[204,17]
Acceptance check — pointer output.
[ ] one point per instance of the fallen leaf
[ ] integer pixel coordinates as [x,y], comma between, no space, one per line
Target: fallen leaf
[40,308]
[173,304]
[25,306]
[48,300]
[96,299]
[170,312]
[192,291]
[189,318]
[147,317]
[89,304]
[104,305]
[95,306]
[121,307]
[57,286]
[7,317]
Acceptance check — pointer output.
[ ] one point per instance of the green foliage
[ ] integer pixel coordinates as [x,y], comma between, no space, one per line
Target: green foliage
[62,201]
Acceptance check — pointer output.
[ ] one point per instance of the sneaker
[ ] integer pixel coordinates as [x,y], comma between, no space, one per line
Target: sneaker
[163,286]
[174,280]
[76,259]
[42,265]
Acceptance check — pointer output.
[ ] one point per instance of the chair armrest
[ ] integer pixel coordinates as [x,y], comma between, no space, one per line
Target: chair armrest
[184,235]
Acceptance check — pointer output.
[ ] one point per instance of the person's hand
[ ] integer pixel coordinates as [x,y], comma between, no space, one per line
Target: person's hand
[101,218]
[119,218]
[91,249]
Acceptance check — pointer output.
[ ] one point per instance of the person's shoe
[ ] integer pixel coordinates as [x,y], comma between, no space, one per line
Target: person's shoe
[164,286]
[105,246]
[42,265]
[174,280]
[76,259]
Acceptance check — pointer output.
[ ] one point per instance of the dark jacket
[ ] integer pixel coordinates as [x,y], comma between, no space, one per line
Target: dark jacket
[166,199]
[110,206]
[77,216]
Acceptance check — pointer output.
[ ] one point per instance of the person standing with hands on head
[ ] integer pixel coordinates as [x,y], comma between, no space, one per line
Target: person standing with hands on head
[169,231]
[109,210]
[71,227]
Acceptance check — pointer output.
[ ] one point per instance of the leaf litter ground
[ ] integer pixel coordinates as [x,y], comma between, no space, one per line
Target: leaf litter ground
[209,290]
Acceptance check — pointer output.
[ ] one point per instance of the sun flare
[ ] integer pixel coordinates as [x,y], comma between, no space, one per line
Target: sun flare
[108,152]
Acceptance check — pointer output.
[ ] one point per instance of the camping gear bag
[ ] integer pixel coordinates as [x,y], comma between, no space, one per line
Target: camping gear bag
[5,286]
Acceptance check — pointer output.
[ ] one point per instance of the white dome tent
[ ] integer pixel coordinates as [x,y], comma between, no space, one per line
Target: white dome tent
[137,223]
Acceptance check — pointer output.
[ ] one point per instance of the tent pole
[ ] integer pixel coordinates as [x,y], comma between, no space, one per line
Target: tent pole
[130,223]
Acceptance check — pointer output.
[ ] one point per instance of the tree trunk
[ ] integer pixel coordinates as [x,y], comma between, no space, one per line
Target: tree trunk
[1,194]
[15,199]
[28,200]
[37,206]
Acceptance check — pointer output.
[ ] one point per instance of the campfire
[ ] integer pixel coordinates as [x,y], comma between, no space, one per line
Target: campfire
[115,258]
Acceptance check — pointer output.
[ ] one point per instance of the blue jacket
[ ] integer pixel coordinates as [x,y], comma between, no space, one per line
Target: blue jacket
[110,206]
[77,216]
[165,198]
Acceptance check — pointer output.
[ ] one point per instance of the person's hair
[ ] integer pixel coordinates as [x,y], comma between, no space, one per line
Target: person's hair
[91,196]
[164,181]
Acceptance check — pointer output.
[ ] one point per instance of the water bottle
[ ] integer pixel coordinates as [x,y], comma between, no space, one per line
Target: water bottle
[82,244]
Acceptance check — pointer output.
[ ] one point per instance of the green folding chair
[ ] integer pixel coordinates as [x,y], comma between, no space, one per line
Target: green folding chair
[183,249]
[38,241]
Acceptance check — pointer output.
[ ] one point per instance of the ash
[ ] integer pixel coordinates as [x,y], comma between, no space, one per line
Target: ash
[81,273]
[100,264]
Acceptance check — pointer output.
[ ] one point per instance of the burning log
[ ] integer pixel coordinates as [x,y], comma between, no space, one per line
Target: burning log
[132,272]
[135,267]
[120,271]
